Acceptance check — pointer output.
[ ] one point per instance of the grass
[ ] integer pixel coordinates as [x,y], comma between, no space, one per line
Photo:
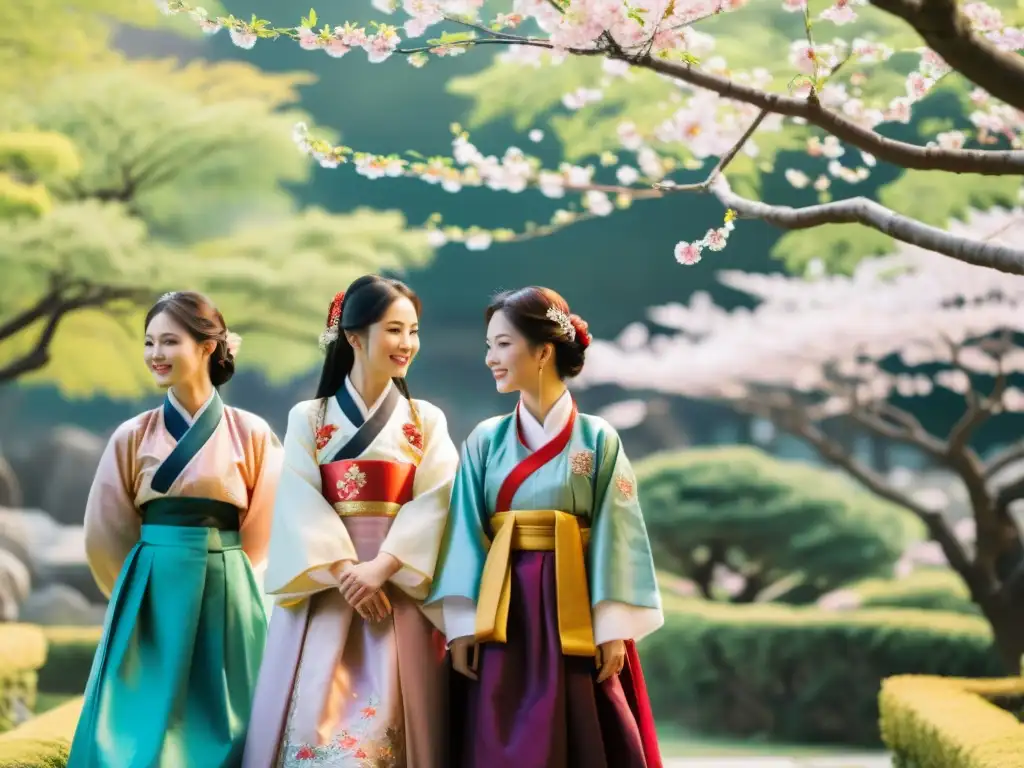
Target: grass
[676,742]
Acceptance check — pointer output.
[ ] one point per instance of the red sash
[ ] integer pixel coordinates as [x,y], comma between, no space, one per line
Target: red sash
[533,462]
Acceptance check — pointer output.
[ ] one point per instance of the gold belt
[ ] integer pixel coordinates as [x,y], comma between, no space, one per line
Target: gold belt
[542,530]
[366,508]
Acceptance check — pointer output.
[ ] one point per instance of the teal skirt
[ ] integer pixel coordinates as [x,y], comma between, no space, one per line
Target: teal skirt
[172,682]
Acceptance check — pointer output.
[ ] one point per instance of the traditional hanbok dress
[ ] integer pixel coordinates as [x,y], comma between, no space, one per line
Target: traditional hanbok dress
[335,690]
[178,512]
[545,556]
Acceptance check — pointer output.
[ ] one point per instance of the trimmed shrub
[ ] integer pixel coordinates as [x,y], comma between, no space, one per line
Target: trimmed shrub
[932,589]
[44,741]
[933,722]
[792,531]
[800,674]
[69,658]
[22,653]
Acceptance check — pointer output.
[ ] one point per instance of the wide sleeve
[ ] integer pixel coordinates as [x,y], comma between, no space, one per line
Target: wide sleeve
[112,523]
[464,546]
[415,535]
[265,460]
[623,586]
[307,538]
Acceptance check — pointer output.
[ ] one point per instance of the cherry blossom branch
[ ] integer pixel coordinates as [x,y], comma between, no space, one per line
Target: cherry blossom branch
[980,161]
[1004,458]
[860,210]
[949,34]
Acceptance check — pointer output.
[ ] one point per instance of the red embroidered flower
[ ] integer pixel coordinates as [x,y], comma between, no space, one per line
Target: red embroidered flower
[369,712]
[625,486]
[360,754]
[351,483]
[413,435]
[323,435]
[347,742]
[305,753]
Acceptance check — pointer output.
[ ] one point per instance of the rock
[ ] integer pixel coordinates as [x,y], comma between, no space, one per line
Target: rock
[60,605]
[15,583]
[57,473]
[55,554]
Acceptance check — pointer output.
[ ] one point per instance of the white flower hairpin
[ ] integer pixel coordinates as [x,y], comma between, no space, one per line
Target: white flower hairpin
[233,342]
[564,323]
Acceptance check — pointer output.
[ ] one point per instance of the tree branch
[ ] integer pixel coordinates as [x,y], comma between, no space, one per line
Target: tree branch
[1004,458]
[949,34]
[59,306]
[860,210]
[991,163]
[788,416]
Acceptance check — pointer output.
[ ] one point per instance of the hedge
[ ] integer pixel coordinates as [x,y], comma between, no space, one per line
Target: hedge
[934,589]
[22,653]
[69,658]
[931,722]
[44,741]
[799,674]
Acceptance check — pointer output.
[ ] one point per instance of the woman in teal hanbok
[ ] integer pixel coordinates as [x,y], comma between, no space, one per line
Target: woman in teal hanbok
[545,576]
[178,514]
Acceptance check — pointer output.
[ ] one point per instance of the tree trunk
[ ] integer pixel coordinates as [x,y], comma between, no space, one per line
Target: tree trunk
[1007,620]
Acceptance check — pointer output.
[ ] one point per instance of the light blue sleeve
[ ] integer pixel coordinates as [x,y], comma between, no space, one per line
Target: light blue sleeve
[621,566]
[460,563]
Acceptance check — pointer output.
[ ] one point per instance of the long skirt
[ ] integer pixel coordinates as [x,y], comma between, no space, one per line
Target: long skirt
[172,682]
[532,706]
[339,692]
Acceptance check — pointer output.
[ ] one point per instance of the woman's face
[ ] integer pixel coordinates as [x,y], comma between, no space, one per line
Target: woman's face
[388,347]
[172,355]
[514,365]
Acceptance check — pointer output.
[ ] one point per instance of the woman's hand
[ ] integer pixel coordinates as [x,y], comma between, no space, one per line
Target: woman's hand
[360,580]
[610,658]
[375,607]
[462,648]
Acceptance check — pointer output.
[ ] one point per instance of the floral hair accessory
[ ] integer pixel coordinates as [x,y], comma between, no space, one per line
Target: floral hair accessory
[330,333]
[581,328]
[562,320]
[233,342]
[168,295]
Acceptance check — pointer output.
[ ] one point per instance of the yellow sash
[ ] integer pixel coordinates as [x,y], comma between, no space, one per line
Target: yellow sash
[538,531]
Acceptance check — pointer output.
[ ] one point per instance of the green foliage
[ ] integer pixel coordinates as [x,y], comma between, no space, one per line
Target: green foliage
[69,656]
[273,283]
[840,247]
[44,741]
[27,157]
[183,154]
[799,674]
[183,184]
[932,722]
[934,589]
[22,652]
[918,194]
[781,524]
[44,38]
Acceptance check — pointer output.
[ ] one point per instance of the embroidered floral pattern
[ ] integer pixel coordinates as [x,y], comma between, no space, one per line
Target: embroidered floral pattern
[626,487]
[366,745]
[413,435]
[351,483]
[324,435]
[582,463]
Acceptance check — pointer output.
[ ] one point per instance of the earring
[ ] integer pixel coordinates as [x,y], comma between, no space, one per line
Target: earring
[540,387]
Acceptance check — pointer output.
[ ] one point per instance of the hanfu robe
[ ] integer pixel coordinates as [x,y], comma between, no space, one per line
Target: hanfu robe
[546,556]
[335,690]
[177,514]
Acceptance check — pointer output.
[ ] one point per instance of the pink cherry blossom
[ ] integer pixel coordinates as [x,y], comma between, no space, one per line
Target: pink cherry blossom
[688,253]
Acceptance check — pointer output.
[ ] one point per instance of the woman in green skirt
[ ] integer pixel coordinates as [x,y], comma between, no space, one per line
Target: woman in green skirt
[178,514]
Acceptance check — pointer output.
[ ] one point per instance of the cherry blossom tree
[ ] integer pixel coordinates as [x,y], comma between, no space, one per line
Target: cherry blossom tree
[852,349]
[723,114]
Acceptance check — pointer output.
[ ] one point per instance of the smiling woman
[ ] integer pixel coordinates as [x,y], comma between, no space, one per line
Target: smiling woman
[357,527]
[177,515]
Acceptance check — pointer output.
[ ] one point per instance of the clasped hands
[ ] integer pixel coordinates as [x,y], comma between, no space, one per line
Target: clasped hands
[360,584]
[609,658]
